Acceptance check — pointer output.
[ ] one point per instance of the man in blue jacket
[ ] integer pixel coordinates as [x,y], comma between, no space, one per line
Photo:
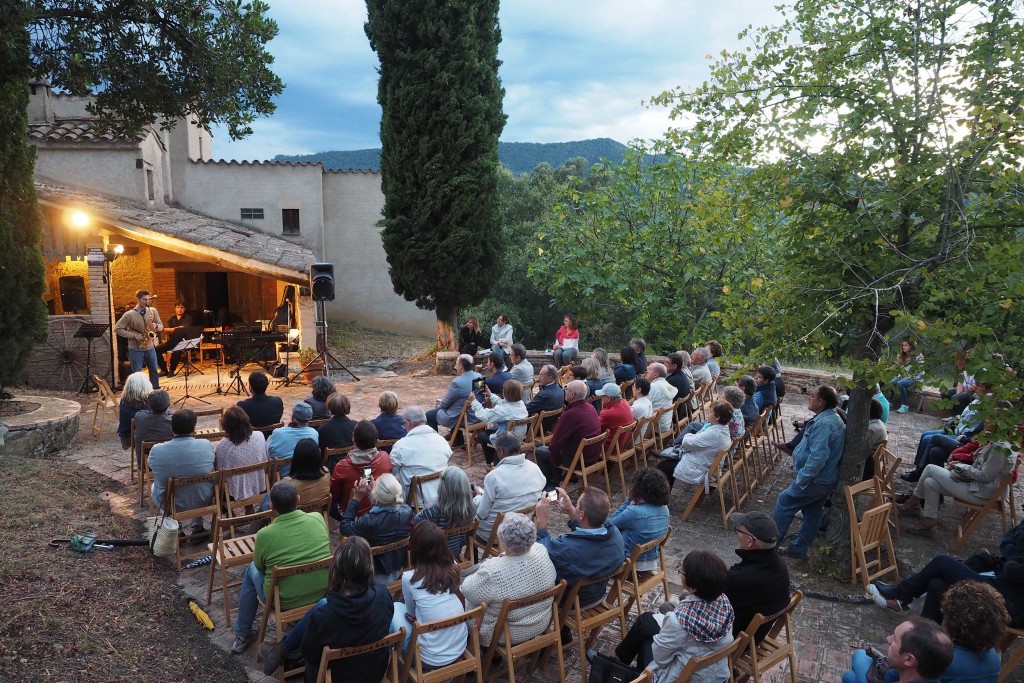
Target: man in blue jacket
[592,548]
[816,460]
[449,407]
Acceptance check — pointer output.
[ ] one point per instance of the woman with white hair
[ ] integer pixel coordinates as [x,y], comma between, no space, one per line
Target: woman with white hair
[699,367]
[523,569]
[323,387]
[133,399]
[387,521]
[454,506]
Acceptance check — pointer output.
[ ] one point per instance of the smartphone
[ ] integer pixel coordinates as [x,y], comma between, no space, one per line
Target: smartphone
[367,473]
[478,385]
[552,496]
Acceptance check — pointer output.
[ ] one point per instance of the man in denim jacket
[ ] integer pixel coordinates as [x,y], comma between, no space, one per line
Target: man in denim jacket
[816,461]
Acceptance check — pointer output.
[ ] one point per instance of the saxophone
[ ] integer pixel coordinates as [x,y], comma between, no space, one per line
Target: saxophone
[152,337]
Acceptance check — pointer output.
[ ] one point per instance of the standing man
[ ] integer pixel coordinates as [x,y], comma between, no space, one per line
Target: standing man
[176,333]
[816,462]
[578,421]
[140,326]
[449,407]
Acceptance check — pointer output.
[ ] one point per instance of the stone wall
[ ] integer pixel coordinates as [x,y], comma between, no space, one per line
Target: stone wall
[45,431]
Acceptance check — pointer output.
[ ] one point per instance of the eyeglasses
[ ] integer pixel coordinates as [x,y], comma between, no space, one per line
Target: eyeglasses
[744,532]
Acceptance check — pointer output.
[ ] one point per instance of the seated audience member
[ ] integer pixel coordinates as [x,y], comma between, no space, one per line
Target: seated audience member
[662,394]
[450,407]
[912,372]
[972,483]
[387,521]
[498,375]
[935,445]
[699,367]
[133,399]
[918,650]
[454,507]
[735,397]
[578,372]
[390,425]
[337,432]
[307,473]
[877,434]
[523,569]
[281,444]
[698,450]
[974,615]
[676,377]
[352,468]
[515,483]
[508,406]
[780,383]
[261,408]
[430,592]
[714,353]
[607,374]
[293,537]
[549,396]
[470,337]
[567,341]
[642,406]
[323,387]
[936,578]
[764,391]
[153,423]
[749,409]
[759,582]
[883,401]
[626,369]
[963,392]
[643,516]
[522,369]
[591,549]
[182,456]
[593,378]
[420,452]
[578,421]
[241,446]
[615,412]
[501,335]
[701,624]
[357,611]
[640,346]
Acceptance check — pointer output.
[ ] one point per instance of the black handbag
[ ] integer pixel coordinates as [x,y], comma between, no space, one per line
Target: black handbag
[605,669]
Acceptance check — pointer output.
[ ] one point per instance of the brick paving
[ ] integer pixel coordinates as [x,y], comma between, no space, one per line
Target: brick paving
[826,630]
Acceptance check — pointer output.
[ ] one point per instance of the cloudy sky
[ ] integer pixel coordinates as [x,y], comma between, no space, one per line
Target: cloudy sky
[572,70]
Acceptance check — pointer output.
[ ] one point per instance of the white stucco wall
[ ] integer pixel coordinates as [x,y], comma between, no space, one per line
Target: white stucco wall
[103,168]
[352,207]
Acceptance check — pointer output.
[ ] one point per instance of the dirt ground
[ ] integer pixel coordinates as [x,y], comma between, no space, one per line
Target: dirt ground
[115,615]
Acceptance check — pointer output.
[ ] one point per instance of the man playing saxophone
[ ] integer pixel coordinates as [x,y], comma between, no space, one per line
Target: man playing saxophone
[140,326]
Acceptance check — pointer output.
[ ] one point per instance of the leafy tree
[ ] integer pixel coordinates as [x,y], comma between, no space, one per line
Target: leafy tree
[441,100]
[889,135]
[142,60]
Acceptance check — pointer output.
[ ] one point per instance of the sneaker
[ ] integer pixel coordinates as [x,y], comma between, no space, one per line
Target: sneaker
[902,410]
[591,655]
[272,655]
[884,596]
[242,643]
[787,551]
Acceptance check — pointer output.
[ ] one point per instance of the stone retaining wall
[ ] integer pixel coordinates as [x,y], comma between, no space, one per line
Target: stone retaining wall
[44,431]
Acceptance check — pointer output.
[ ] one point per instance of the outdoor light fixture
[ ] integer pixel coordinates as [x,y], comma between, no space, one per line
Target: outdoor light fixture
[112,252]
[79,219]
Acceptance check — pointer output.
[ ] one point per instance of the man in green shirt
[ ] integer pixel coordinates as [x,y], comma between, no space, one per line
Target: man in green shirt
[294,537]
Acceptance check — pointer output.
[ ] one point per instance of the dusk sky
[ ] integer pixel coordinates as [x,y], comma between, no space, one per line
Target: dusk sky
[571,69]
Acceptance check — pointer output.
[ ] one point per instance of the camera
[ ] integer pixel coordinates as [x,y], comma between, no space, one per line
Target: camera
[367,473]
[552,496]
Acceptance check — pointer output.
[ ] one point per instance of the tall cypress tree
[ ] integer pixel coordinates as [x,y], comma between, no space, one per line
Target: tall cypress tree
[442,117]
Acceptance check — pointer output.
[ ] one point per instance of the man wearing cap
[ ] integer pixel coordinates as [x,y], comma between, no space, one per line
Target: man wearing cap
[281,444]
[662,394]
[759,582]
[578,421]
[615,413]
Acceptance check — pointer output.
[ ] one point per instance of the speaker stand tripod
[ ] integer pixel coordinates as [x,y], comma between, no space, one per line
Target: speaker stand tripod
[323,353]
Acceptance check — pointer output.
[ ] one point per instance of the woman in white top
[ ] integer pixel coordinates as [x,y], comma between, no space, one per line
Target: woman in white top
[430,591]
[501,335]
[509,408]
[700,449]
[241,446]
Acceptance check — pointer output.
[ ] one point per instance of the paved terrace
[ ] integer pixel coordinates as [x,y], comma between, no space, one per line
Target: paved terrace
[826,629]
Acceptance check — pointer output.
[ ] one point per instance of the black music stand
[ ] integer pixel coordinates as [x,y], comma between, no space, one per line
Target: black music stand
[187,345]
[89,331]
[216,339]
[230,340]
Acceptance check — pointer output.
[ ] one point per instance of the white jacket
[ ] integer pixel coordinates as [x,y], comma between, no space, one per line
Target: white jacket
[662,395]
[700,451]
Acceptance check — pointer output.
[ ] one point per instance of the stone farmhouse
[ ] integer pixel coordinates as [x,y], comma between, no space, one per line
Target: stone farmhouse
[234,240]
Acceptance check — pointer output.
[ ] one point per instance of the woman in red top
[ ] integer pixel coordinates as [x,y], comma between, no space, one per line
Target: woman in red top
[567,341]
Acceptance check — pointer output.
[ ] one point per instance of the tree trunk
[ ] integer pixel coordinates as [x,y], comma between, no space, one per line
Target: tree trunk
[446,324]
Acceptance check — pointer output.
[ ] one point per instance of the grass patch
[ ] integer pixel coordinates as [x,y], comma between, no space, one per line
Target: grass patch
[356,344]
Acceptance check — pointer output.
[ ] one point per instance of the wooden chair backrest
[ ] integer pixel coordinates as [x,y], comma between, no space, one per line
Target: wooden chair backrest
[175,484]
[392,641]
[416,489]
[695,664]
[384,444]
[544,415]
[106,395]
[329,453]
[613,596]
[770,644]
[319,421]
[231,472]
[491,545]
[549,636]
[468,661]
[622,443]
[266,430]
[206,412]
[460,421]
[468,556]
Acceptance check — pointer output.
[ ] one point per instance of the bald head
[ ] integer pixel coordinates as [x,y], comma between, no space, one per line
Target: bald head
[656,370]
[578,389]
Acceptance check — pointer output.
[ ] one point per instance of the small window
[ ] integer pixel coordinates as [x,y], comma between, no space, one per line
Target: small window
[290,221]
[252,214]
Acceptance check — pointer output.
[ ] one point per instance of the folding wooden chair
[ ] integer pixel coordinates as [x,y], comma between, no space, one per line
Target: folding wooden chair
[1015,657]
[228,550]
[579,466]
[457,425]
[638,583]
[133,456]
[228,504]
[489,547]
[778,424]
[466,558]
[869,535]
[392,641]
[886,465]
[774,648]
[283,617]
[105,400]
[146,475]
[646,437]
[416,490]
[394,587]
[338,453]
[542,431]
[730,652]
[722,477]
[539,647]
[467,662]
[680,416]
[206,412]
[211,509]
[529,440]
[319,422]
[615,452]
[662,437]
[626,388]
[267,430]
[581,619]
[975,514]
